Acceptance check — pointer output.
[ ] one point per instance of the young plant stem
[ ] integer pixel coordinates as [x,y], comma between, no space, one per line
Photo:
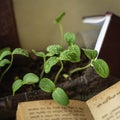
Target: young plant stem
[79,68]
[7,68]
[58,73]
[61,33]
[42,72]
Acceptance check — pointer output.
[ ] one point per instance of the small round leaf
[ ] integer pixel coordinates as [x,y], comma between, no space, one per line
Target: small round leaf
[54,49]
[16,85]
[101,67]
[60,97]
[30,78]
[47,85]
[70,38]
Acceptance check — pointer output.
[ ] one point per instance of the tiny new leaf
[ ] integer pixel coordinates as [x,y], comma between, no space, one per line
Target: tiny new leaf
[70,38]
[54,49]
[59,18]
[72,54]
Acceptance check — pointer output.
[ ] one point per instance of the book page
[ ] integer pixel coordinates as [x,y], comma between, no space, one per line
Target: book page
[49,110]
[106,105]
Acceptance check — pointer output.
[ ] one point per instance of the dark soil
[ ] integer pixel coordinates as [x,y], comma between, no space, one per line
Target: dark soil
[81,85]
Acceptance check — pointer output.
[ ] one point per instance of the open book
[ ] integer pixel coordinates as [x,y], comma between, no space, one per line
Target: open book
[104,106]
[108,40]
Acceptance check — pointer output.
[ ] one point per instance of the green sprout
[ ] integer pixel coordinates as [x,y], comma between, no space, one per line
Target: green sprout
[56,54]
[5,61]
[58,20]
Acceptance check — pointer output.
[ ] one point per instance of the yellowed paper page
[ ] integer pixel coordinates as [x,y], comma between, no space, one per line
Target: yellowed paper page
[18,115]
[106,105]
[49,110]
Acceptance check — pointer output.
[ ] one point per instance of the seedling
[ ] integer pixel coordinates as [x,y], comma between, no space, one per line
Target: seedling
[56,54]
[4,53]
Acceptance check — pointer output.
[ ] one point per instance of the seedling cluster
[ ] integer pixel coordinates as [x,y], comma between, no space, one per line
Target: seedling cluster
[54,55]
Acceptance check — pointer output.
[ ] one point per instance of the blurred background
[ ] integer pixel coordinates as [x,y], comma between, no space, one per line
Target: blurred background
[37,30]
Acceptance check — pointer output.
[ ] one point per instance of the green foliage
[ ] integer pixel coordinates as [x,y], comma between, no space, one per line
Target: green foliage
[72,54]
[54,49]
[54,55]
[101,67]
[60,96]
[91,54]
[4,53]
[47,85]
[28,79]
[70,38]
[20,51]
[16,85]
[50,62]
[4,62]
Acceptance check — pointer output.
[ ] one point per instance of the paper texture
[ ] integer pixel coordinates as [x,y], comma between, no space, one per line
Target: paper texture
[49,110]
[104,106]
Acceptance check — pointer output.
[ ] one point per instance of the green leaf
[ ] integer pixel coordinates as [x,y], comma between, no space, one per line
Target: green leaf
[60,96]
[70,38]
[47,85]
[4,49]
[71,54]
[4,54]
[30,78]
[59,18]
[4,62]
[20,51]
[101,67]
[54,49]
[16,85]
[91,54]
[49,54]
[39,54]
[50,62]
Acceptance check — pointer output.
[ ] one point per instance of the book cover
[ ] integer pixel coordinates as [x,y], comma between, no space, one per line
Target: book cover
[108,41]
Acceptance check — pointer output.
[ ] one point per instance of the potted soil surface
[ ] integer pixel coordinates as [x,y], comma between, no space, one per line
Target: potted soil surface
[73,72]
